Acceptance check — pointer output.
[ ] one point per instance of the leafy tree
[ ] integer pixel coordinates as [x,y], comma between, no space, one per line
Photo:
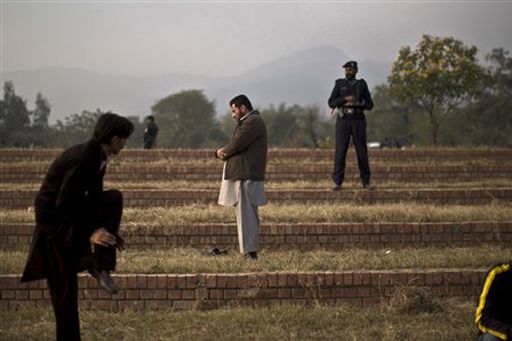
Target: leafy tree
[76,128]
[135,140]
[14,118]
[439,75]
[227,124]
[488,119]
[39,130]
[186,120]
[390,122]
[289,126]
[41,112]
[281,125]
[295,126]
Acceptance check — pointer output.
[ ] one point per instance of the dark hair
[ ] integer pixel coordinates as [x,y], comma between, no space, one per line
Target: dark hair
[240,100]
[110,125]
[151,118]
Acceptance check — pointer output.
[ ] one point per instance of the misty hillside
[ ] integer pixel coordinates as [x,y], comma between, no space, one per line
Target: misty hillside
[304,77]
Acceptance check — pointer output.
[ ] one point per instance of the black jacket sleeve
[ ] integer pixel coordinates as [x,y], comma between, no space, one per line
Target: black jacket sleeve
[366,98]
[78,199]
[335,100]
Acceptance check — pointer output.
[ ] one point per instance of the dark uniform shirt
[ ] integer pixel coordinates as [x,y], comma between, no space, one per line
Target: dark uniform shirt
[356,87]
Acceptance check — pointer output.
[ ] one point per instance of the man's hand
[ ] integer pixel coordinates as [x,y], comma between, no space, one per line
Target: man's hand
[220,153]
[102,237]
[350,100]
[119,243]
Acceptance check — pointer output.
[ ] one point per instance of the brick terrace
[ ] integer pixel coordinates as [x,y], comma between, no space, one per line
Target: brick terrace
[206,291]
[300,236]
[21,199]
[360,287]
[16,155]
[407,173]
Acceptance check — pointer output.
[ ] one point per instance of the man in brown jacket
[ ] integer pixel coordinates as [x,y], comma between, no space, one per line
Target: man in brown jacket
[77,222]
[243,177]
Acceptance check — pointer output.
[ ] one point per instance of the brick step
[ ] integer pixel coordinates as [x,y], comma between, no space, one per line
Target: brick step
[9,155]
[303,236]
[206,291]
[407,173]
[17,199]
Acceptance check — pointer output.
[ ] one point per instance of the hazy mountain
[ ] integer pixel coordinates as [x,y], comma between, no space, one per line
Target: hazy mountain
[304,77]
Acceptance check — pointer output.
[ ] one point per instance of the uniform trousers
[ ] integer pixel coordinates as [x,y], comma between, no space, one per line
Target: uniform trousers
[345,129]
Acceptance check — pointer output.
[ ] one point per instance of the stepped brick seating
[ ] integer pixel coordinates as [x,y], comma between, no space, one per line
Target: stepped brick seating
[17,155]
[360,287]
[22,199]
[206,291]
[303,236]
[175,171]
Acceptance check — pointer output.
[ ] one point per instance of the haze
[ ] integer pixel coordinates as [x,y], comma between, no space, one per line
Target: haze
[227,38]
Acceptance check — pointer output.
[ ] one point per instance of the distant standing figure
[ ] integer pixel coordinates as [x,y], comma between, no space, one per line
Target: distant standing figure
[150,133]
[77,222]
[351,97]
[243,176]
[494,311]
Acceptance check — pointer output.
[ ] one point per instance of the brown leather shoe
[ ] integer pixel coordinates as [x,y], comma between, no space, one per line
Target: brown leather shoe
[106,281]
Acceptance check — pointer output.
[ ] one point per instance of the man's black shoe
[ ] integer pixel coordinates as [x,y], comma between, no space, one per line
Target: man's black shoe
[336,188]
[368,187]
[251,255]
[215,252]
[105,281]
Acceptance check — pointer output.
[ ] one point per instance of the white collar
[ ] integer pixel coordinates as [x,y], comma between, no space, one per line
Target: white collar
[245,116]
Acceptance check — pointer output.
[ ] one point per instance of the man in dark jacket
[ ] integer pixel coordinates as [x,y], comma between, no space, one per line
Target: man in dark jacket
[77,222]
[494,312]
[243,177]
[351,97]
[150,133]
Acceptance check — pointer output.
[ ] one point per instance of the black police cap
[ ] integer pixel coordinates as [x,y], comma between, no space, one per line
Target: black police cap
[352,64]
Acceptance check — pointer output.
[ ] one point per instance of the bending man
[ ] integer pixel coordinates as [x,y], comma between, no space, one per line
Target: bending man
[77,222]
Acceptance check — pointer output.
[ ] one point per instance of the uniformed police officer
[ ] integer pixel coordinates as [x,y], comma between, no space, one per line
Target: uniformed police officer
[150,133]
[350,97]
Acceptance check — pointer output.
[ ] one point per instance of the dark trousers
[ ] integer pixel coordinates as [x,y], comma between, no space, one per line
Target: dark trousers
[149,143]
[70,254]
[344,130]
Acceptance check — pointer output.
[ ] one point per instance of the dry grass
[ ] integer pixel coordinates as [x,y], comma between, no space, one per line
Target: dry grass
[282,185]
[305,213]
[187,260]
[386,322]
[197,162]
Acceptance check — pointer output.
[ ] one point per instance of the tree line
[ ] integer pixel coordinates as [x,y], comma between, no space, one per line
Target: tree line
[436,94]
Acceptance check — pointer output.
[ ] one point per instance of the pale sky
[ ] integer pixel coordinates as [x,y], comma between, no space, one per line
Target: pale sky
[226,38]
